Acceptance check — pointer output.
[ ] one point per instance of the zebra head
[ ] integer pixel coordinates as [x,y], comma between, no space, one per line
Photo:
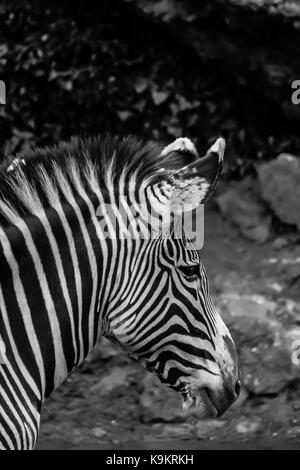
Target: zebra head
[162,312]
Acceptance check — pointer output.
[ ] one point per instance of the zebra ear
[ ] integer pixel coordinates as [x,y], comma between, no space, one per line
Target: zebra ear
[183,145]
[192,184]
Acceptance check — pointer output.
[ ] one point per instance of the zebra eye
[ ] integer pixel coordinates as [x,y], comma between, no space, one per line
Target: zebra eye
[190,271]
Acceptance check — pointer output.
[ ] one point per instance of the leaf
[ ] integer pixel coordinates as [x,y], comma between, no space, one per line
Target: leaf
[277,74]
[66,84]
[159,97]
[140,85]
[165,9]
[175,131]
[3,50]
[140,105]
[118,377]
[184,104]
[124,115]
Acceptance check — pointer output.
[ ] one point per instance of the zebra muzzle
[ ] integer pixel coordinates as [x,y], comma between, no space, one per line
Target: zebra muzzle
[198,405]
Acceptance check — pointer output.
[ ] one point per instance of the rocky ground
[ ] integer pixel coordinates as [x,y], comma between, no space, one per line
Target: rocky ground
[113,403]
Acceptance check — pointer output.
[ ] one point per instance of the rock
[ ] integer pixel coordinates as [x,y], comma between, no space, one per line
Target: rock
[230,283]
[296,406]
[248,426]
[207,428]
[280,242]
[288,312]
[158,403]
[245,308]
[98,432]
[118,377]
[280,187]
[243,397]
[266,369]
[292,290]
[104,350]
[265,345]
[173,431]
[294,432]
[240,206]
[259,234]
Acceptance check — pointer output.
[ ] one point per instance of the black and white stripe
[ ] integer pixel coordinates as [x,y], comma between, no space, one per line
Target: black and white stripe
[63,283]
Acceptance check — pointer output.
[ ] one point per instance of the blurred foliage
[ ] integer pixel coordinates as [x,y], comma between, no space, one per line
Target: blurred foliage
[81,68]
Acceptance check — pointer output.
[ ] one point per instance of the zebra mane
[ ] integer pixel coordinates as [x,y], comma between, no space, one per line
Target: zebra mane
[47,176]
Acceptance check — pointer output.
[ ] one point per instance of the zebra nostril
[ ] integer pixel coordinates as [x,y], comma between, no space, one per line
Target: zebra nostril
[238,387]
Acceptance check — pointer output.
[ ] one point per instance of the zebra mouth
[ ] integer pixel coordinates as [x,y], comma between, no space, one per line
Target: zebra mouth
[199,404]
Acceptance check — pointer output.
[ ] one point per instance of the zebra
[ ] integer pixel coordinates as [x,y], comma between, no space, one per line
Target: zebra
[64,285]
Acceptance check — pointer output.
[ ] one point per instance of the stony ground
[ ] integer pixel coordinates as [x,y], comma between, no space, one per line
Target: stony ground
[111,403]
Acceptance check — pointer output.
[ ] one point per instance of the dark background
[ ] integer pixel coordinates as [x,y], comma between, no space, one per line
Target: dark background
[159,69]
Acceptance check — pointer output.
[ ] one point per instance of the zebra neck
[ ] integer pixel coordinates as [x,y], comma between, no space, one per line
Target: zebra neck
[51,283]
